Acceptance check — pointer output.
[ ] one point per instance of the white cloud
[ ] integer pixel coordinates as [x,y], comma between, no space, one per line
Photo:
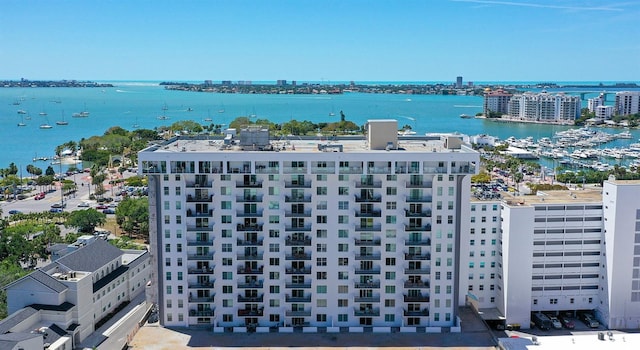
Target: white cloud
[538,5]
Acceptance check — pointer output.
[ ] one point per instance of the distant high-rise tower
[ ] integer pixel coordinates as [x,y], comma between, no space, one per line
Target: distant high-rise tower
[458,82]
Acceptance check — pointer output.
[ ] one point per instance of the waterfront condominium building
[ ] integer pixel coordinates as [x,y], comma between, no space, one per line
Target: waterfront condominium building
[627,102]
[593,103]
[545,107]
[496,101]
[248,233]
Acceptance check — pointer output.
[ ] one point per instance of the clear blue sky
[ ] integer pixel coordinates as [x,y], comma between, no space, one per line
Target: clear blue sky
[313,40]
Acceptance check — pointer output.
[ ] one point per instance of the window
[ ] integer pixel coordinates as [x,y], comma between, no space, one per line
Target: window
[274,275]
[390,261]
[225,205]
[322,205]
[343,191]
[274,233]
[343,289]
[227,262]
[343,219]
[392,191]
[321,275]
[321,261]
[227,248]
[321,219]
[343,234]
[274,247]
[343,261]
[168,276]
[390,275]
[343,302]
[390,289]
[321,191]
[274,289]
[321,233]
[274,191]
[343,275]
[225,219]
[343,205]
[274,205]
[227,275]
[274,261]
[390,219]
[179,276]
[321,289]
[390,247]
[342,247]
[321,248]
[343,318]
[274,219]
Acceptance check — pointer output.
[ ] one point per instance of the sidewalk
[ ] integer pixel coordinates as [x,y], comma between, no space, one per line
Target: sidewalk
[113,334]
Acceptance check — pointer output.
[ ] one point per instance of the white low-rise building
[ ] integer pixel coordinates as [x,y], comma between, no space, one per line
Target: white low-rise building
[78,290]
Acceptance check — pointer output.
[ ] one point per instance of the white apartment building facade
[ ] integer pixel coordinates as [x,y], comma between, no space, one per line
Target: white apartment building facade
[627,102]
[545,107]
[595,102]
[604,112]
[253,233]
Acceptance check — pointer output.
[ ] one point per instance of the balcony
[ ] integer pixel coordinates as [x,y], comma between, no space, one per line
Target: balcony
[367,228]
[323,170]
[249,214]
[417,284]
[368,199]
[249,243]
[416,298]
[350,170]
[372,271]
[303,228]
[247,271]
[420,242]
[200,243]
[250,285]
[368,184]
[368,242]
[369,299]
[201,285]
[193,198]
[193,271]
[378,170]
[195,300]
[297,184]
[198,214]
[368,214]
[298,313]
[294,242]
[246,299]
[297,214]
[250,312]
[255,198]
[249,184]
[255,256]
[418,184]
[303,299]
[414,271]
[367,285]
[417,214]
[414,228]
[200,313]
[196,228]
[263,169]
[303,271]
[423,312]
[200,256]
[412,256]
[366,312]
[297,285]
[199,184]
[298,256]
[417,199]
[250,228]
[372,256]
[294,170]
[297,199]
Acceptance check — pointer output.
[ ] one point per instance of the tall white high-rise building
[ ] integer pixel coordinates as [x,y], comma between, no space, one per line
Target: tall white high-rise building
[252,233]
[593,103]
[627,102]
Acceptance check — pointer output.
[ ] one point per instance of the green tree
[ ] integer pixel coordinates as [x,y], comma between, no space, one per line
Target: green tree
[132,215]
[86,220]
[50,171]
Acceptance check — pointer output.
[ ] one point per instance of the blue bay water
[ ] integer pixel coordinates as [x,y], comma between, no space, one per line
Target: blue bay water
[141,103]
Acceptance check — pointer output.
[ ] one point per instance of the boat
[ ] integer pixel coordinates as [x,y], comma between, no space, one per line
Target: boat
[21,123]
[82,114]
[45,126]
[465,116]
[62,122]
[164,113]
[189,109]
[22,111]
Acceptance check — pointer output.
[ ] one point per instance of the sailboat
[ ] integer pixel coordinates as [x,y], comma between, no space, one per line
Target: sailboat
[208,118]
[164,112]
[62,122]
[21,123]
[82,114]
[332,113]
[136,125]
[221,110]
[46,125]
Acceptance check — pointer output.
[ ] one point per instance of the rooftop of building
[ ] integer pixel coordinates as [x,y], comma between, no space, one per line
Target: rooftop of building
[615,181]
[587,195]
[310,144]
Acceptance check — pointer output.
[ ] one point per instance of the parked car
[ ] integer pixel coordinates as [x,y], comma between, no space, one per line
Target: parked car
[14,212]
[39,196]
[589,320]
[102,206]
[109,211]
[566,322]
[58,205]
[55,210]
[555,322]
[541,321]
[83,205]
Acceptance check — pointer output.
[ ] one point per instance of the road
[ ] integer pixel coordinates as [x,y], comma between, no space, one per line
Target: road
[83,180]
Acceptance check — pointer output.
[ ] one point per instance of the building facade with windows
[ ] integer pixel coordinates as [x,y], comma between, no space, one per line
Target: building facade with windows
[496,101]
[627,102]
[545,107]
[249,233]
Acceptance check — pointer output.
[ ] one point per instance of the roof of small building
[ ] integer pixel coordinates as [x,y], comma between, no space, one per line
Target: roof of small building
[16,318]
[91,257]
[10,340]
[587,195]
[44,278]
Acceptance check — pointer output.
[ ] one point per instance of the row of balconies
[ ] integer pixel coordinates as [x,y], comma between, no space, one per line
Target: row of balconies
[249,243]
[259,312]
[200,198]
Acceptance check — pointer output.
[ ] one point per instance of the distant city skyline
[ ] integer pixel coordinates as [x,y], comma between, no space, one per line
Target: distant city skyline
[480,40]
